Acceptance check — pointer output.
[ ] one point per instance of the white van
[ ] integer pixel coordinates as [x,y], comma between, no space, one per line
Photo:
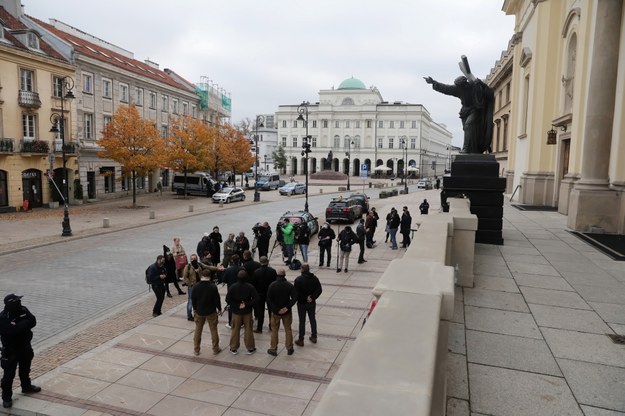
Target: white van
[199,183]
[267,182]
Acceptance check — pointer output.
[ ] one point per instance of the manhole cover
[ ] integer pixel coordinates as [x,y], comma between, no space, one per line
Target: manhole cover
[617,339]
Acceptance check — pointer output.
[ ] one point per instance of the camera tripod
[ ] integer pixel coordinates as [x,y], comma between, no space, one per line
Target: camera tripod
[278,243]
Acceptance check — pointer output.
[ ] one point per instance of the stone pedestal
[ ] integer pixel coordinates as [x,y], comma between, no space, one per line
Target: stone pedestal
[477,177]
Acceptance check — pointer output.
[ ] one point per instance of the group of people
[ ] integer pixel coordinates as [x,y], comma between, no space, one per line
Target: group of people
[403,224]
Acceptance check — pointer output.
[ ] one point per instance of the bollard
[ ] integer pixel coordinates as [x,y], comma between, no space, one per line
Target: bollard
[106,223]
[221,203]
[320,190]
[152,215]
[190,208]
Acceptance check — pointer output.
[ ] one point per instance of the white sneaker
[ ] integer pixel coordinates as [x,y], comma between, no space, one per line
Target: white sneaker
[228,326]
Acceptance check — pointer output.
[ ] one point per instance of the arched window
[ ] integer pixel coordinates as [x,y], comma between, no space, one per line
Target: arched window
[337,141]
[569,78]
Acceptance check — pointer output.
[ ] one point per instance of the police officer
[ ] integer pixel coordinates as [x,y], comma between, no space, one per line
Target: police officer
[16,323]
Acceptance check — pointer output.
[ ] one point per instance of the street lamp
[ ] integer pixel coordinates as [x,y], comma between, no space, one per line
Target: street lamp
[58,127]
[405,151]
[349,160]
[259,123]
[302,109]
[265,162]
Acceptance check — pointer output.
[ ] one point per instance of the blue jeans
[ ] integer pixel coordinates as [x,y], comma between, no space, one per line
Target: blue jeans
[189,305]
[393,232]
[304,249]
[288,251]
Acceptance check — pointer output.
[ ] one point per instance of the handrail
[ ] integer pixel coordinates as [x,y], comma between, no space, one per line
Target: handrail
[515,189]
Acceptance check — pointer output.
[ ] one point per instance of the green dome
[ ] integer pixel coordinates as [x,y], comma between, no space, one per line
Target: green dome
[352,84]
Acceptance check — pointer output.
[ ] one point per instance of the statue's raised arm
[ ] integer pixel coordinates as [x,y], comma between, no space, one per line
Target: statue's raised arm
[476,113]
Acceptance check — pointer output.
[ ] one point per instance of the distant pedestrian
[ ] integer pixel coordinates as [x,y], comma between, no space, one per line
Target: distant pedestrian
[170,267]
[387,229]
[360,233]
[308,288]
[424,207]
[263,277]
[207,305]
[326,238]
[230,248]
[191,276]
[346,240]
[180,257]
[371,224]
[156,275]
[241,298]
[216,239]
[393,225]
[16,324]
[281,297]
[405,225]
[303,239]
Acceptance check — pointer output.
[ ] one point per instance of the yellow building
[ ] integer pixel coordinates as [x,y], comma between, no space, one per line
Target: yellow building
[31,75]
[567,120]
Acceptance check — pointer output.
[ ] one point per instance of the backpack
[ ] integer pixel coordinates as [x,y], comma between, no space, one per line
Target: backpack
[295,264]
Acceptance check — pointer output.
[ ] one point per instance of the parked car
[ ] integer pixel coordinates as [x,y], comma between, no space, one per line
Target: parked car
[292,188]
[343,209]
[297,217]
[424,184]
[229,194]
[363,200]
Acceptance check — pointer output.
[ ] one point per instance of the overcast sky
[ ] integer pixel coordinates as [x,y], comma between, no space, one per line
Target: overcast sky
[265,53]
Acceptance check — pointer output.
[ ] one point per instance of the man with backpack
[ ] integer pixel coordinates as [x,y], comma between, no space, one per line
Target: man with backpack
[155,276]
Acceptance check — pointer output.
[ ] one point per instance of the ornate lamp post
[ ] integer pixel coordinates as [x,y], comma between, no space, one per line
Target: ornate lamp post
[58,127]
[349,161]
[265,162]
[259,123]
[302,109]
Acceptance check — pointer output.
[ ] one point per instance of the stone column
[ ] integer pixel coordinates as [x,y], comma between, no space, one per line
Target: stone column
[592,203]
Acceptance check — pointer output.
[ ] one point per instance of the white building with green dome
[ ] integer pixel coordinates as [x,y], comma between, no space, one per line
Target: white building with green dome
[361,129]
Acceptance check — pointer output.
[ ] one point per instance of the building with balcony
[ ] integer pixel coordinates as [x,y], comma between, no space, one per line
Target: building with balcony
[30,70]
[567,114]
[352,126]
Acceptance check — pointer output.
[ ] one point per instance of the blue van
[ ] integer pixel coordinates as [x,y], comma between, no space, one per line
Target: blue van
[268,182]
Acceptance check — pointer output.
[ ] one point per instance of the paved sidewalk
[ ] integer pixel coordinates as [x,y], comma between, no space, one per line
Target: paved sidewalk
[529,339]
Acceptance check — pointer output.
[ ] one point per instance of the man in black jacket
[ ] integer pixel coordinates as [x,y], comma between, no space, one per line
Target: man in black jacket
[263,234]
[360,233]
[347,238]
[157,275]
[281,297]
[250,265]
[263,277]
[308,288]
[405,224]
[241,298]
[326,238]
[206,305]
[16,324]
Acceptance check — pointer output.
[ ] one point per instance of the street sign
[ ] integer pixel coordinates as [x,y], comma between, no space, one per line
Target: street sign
[364,167]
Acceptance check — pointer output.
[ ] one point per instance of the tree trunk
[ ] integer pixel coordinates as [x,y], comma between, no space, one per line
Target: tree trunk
[185,185]
[134,189]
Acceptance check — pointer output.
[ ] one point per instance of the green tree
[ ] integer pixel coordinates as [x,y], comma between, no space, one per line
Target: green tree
[134,143]
[279,159]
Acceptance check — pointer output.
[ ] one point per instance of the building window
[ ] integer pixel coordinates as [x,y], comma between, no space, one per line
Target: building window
[174,104]
[401,124]
[337,142]
[107,91]
[391,141]
[414,124]
[346,142]
[57,87]
[381,124]
[346,124]
[164,104]
[109,179]
[294,141]
[107,120]
[88,126]
[185,109]
[391,124]
[356,144]
[314,124]
[357,124]
[164,131]
[284,141]
[4,194]
[29,124]
[368,124]
[283,124]
[413,142]
[123,93]
[325,124]
[193,111]
[139,96]
[295,123]
[380,143]
[152,100]
[27,80]
[33,40]
[313,142]
[87,83]
[337,124]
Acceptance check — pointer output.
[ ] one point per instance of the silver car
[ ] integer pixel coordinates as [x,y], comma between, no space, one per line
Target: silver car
[229,194]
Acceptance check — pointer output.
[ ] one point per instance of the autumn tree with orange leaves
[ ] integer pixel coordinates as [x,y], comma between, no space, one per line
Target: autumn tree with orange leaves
[236,155]
[133,142]
[189,146]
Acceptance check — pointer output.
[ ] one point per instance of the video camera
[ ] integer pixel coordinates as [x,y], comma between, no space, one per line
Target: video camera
[256,229]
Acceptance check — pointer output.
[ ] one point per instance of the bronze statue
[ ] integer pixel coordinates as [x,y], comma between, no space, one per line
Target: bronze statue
[476,112]
[328,164]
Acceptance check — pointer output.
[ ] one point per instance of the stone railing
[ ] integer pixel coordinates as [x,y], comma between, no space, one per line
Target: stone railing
[398,363]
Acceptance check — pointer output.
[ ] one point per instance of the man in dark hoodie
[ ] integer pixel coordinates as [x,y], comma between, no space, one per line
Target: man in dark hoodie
[172,276]
[206,305]
[156,276]
[281,297]
[16,324]
[241,298]
[308,290]
[263,277]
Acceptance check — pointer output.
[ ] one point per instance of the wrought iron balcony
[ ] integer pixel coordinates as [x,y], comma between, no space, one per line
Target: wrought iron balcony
[68,148]
[6,145]
[29,99]
[35,146]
